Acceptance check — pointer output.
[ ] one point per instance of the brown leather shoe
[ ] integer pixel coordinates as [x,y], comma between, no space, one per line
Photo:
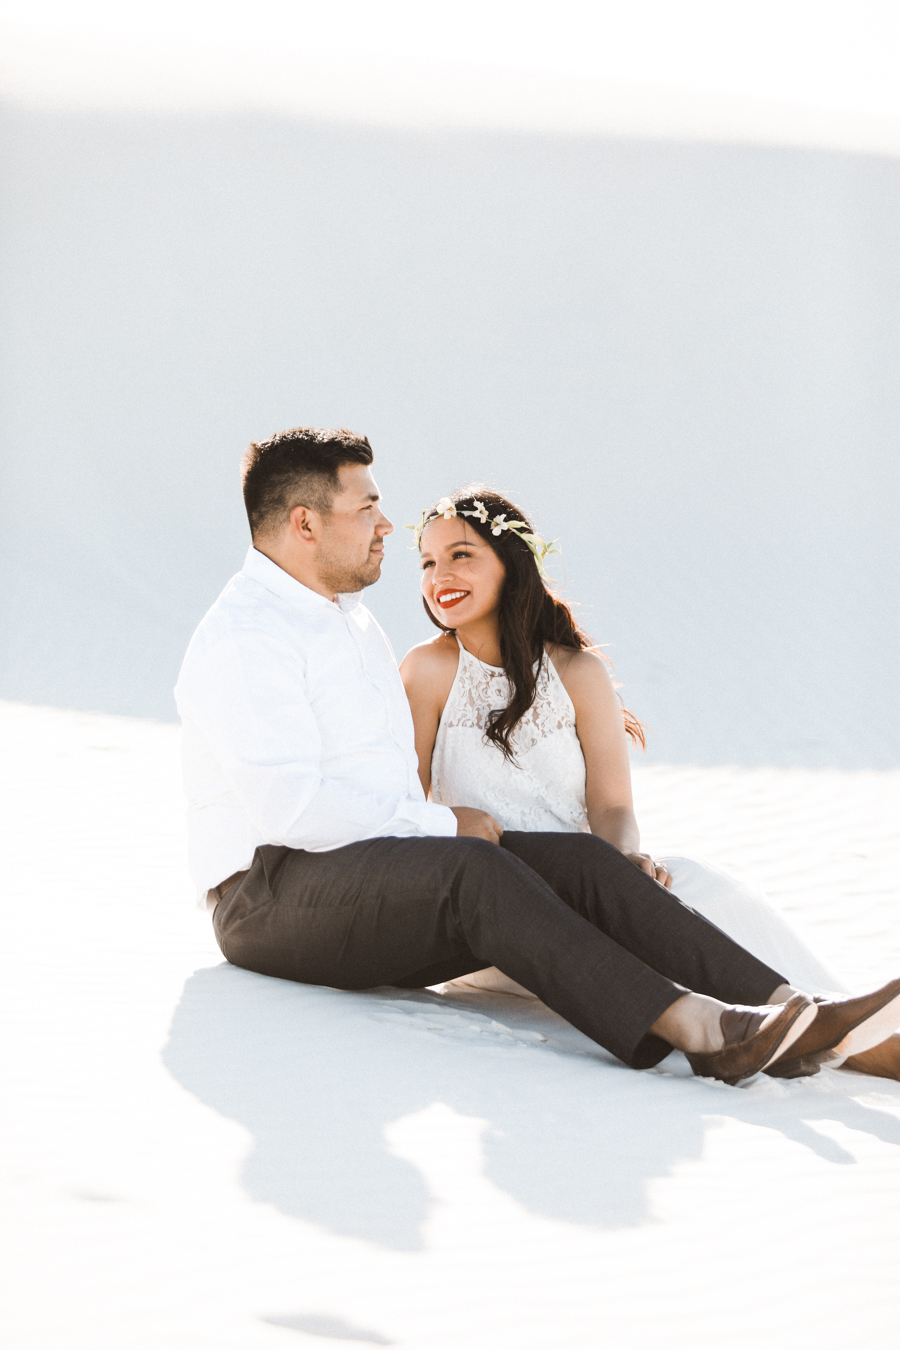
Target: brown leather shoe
[755,1038]
[843,1027]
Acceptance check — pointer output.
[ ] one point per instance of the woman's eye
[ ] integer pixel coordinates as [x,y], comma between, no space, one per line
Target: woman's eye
[461,554]
[426,565]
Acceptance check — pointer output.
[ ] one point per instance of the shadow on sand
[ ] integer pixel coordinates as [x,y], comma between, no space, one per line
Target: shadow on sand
[318,1075]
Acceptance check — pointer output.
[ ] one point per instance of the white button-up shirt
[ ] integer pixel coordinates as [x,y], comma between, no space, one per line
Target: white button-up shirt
[296,727]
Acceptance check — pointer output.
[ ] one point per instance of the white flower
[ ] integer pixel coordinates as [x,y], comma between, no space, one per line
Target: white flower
[499,524]
[480,512]
[445,508]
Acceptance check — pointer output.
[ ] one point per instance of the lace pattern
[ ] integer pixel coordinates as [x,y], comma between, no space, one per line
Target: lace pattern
[543,787]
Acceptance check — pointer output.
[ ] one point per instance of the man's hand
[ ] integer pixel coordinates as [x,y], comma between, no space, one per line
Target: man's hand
[476,824]
[653,869]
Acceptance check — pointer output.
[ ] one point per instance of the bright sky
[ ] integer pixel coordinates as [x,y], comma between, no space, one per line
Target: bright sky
[806,71]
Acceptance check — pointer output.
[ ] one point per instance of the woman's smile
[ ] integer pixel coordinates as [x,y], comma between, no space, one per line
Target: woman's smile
[448,598]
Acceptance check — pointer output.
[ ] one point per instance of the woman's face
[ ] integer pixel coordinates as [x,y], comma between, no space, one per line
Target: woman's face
[462,577]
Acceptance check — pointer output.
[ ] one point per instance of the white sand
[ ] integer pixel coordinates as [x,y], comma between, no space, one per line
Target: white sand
[200,1157]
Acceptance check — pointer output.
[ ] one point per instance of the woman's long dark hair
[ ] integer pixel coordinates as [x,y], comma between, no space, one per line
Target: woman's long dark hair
[530,619]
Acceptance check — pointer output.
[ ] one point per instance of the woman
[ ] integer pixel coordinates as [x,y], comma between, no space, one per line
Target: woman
[515,713]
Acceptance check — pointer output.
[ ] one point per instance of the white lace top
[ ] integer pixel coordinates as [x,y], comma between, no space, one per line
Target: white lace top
[543,787]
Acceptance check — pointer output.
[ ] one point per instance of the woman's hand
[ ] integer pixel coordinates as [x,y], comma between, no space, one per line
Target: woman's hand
[653,869]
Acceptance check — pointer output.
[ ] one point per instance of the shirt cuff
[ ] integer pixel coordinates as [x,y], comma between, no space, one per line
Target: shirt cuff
[436,820]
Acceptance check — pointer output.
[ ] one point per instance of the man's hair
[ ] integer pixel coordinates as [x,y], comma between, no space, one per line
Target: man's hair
[296,468]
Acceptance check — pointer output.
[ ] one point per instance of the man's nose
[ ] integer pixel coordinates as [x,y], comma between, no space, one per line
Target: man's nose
[384,526]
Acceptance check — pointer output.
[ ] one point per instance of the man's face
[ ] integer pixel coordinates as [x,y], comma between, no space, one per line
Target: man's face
[351,549]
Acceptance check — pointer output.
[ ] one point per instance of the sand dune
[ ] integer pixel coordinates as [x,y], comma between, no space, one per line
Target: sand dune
[681,357]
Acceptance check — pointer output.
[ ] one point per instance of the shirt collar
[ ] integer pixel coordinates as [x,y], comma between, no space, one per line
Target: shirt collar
[281,583]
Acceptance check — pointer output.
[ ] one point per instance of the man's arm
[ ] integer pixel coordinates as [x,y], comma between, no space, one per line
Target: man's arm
[246,699]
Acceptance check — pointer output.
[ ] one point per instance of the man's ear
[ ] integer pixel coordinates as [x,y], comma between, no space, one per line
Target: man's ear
[305,524]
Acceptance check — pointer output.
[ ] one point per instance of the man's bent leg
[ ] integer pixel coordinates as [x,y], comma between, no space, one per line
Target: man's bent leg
[385,911]
[640,915]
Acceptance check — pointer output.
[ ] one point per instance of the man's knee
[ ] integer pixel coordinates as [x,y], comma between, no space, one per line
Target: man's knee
[593,859]
[478,858]
[474,850]
[569,862]
[591,846]
[579,847]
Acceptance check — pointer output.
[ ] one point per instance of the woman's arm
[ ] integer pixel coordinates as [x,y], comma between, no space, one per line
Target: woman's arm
[428,672]
[601,731]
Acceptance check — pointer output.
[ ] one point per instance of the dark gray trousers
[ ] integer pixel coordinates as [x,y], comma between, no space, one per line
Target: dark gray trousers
[567,915]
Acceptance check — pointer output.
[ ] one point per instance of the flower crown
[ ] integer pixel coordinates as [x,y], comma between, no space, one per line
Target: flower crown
[447,509]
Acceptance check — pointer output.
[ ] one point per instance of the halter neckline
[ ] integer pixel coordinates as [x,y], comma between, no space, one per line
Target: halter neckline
[495,670]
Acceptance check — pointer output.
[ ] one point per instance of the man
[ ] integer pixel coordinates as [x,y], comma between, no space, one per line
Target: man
[322,862]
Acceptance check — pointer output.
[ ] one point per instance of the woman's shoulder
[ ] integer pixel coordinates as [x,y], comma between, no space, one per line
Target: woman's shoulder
[435,654]
[583,673]
[431,663]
